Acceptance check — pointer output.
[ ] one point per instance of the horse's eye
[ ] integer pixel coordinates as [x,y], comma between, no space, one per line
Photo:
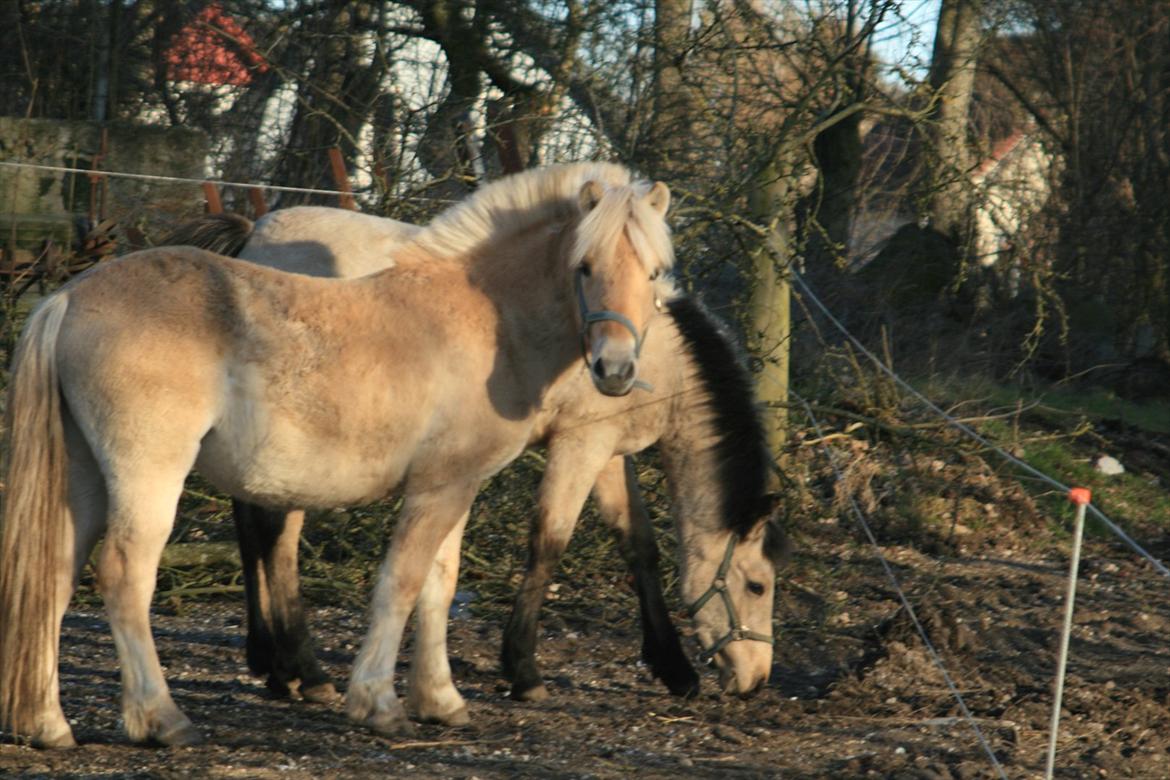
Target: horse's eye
[757,588]
[656,274]
[585,269]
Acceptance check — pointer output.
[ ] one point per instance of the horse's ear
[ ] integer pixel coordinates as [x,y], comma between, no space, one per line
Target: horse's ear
[771,507]
[590,195]
[658,198]
[777,545]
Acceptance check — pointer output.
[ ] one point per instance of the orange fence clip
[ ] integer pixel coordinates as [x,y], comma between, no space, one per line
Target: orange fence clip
[1080,496]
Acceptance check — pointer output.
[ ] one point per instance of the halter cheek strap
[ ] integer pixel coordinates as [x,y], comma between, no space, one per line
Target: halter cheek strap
[590,317]
[736,632]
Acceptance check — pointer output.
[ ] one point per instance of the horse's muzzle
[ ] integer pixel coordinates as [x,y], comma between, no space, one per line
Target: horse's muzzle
[729,683]
[614,377]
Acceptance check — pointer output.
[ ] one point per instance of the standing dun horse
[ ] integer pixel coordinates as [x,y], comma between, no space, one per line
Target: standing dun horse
[701,412]
[291,391]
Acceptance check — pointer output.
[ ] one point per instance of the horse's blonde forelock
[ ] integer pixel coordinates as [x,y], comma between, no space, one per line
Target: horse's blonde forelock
[512,204]
[624,208]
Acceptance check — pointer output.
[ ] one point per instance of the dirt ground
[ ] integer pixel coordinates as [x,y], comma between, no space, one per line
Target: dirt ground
[852,694]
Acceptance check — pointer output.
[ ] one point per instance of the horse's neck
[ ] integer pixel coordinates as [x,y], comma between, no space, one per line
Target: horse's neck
[524,276]
[690,458]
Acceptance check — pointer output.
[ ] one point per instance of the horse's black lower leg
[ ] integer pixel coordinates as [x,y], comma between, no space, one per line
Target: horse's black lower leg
[278,640]
[661,649]
[621,507]
[518,656]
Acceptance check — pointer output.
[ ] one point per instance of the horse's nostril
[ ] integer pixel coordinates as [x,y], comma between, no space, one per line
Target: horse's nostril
[628,371]
[599,369]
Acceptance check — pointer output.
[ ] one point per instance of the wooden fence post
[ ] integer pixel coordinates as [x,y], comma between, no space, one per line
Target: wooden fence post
[214,204]
[98,182]
[259,205]
[342,179]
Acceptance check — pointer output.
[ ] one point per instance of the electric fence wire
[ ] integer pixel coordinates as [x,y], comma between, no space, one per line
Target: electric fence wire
[967,430]
[934,655]
[184,180]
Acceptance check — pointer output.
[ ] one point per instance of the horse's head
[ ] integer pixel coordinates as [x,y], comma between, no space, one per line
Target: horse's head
[621,246]
[729,587]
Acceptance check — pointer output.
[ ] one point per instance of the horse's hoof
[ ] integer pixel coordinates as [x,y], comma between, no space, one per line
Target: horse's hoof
[686,685]
[531,693]
[182,735]
[325,693]
[278,688]
[60,740]
[456,717]
[388,726]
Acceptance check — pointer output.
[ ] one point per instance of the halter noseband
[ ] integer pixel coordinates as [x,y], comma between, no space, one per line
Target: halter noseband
[736,632]
[590,317]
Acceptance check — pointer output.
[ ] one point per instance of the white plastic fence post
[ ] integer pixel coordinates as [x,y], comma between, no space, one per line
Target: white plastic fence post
[1080,497]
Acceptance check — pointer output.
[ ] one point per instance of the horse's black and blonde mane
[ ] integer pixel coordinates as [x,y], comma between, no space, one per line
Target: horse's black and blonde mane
[523,200]
[740,449]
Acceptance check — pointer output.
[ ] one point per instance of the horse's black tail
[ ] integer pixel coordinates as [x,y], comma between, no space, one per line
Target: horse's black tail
[224,234]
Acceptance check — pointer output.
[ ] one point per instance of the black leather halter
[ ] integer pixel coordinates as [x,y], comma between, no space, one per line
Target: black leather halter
[589,317]
[736,632]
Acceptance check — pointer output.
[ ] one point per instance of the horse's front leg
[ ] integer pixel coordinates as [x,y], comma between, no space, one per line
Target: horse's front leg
[571,468]
[620,505]
[426,520]
[431,693]
[279,644]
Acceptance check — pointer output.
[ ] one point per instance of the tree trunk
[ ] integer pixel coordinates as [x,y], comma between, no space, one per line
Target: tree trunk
[447,148]
[952,77]
[333,101]
[516,125]
[771,298]
[672,146]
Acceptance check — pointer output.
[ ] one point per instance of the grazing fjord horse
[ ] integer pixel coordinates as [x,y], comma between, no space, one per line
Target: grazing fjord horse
[701,412]
[290,391]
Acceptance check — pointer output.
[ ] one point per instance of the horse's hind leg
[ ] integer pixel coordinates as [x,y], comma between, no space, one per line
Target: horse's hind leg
[431,694]
[87,512]
[621,507]
[278,644]
[142,512]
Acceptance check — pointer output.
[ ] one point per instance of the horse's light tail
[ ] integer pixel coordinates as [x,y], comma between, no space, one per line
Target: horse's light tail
[33,521]
[224,234]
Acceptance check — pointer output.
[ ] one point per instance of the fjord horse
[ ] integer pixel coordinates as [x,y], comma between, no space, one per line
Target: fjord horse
[698,385]
[291,391]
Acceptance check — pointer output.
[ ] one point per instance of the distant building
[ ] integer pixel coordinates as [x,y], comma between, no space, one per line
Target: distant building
[1014,184]
[1011,184]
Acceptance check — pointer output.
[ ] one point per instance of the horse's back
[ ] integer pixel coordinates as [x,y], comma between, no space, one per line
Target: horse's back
[328,242]
[310,391]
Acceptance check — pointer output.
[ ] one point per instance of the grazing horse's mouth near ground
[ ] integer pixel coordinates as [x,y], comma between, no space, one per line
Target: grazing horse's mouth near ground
[729,683]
